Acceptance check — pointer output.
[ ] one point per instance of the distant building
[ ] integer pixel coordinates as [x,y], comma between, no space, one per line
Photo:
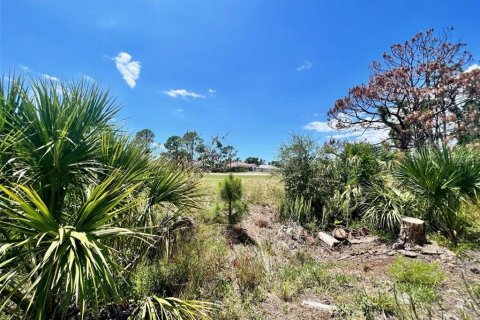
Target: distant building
[240,164]
[266,168]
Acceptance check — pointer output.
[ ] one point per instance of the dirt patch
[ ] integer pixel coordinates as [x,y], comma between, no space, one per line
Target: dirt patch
[237,235]
[366,260]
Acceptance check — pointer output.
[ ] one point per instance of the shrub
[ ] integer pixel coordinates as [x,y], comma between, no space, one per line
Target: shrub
[298,168]
[231,192]
[441,179]
[299,210]
[330,179]
[77,206]
[384,204]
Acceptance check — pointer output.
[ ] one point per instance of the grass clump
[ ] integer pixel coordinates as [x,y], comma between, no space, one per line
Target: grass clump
[377,303]
[249,270]
[419,280]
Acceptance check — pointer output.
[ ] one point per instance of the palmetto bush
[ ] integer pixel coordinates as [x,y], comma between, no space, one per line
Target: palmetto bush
[385,203]
[440,179]
[80,203]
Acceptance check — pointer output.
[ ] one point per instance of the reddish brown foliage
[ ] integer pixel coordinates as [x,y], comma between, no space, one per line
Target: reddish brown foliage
[420,92]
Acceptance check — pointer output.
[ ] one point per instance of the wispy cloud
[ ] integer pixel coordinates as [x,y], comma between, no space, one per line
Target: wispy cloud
[374,135]
[49,77]
[212,92]
[25,68]
[371,135]
[318,126]
[129,69]
[178,112]
[305,66]
[87,78]
[183,93]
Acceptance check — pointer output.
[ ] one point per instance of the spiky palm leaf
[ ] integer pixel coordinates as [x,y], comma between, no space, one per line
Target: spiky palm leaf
[384,204]
[54,265]
[62,236]
[61,125]
[156,308]
[440,179]
[169,185]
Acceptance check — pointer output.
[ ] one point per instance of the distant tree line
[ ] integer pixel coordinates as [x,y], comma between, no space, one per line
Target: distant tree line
[208,154]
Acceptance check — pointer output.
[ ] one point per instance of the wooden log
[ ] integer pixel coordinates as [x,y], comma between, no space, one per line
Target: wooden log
[328,239]
[339,234]
[319,306]
[412,230]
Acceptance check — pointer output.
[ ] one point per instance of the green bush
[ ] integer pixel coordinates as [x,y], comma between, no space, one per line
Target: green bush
[330,179]
[299,210]
[384,204]
[440,180]
[80,204]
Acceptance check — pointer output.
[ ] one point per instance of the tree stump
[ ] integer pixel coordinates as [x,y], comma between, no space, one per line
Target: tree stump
[339,234]
[412,230]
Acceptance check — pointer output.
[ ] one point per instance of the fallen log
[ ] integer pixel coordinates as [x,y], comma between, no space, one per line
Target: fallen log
[328,239]
[319,306]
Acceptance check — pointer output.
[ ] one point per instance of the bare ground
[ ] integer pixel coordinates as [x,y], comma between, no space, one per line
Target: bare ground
[368,262]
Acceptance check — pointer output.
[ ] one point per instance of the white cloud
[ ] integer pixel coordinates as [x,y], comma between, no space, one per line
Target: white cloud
[88,78]
[473,67]
[49,77]
[212,92]
[183,93]
[305,66]
[374,135]
[318,126]
[129,69]
[178,112]
[25,68]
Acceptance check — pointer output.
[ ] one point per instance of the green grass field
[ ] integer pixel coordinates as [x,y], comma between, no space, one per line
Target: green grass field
[258,188]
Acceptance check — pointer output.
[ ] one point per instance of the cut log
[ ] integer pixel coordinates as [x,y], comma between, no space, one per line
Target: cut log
[339,234]
[412,230]
[328,239]
[319,306]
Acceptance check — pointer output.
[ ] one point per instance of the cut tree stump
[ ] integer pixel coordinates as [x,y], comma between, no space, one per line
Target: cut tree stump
[339,234]
[328,239]
[412,230]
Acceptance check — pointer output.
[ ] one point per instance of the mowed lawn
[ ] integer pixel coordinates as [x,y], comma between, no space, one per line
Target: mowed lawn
[258,187]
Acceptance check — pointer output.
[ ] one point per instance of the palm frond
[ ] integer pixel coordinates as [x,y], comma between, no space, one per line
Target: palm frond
[57,265]
[157,308]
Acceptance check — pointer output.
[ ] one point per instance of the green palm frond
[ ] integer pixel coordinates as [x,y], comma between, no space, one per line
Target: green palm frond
[56,266]
[440,179]
[171,185]
[119,152]
[384,204]
[156,308]
[61,124]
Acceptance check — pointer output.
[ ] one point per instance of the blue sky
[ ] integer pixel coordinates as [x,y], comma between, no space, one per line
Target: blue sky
[257,70]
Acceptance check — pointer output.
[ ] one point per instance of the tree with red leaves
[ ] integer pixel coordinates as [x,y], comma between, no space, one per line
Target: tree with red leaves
[425,90]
